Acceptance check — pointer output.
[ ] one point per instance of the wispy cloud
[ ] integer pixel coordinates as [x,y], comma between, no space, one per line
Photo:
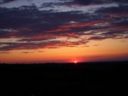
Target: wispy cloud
[47,24]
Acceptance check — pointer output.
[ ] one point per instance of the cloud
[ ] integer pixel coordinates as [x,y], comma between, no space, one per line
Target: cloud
[37,26]
[88,2]
[5,1]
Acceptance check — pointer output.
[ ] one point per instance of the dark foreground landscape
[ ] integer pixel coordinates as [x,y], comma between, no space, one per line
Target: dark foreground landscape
[83,79]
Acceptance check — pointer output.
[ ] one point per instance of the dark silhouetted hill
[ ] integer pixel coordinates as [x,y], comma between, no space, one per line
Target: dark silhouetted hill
[88,79]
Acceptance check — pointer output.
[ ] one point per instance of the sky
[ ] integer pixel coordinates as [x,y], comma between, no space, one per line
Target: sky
[43,31]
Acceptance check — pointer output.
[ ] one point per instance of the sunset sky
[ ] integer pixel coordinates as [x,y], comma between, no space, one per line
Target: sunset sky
[39,31]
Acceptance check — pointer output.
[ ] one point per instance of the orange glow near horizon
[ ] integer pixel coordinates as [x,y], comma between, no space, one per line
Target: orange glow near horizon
[106,49]
[64,31]
[75,61]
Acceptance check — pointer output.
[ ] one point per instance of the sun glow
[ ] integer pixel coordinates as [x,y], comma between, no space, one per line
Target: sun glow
[75,61]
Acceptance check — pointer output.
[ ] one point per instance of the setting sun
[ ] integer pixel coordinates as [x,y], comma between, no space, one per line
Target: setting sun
[65,34]
[75,61]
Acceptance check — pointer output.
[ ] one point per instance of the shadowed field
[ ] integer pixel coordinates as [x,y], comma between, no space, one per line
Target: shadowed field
[91,79]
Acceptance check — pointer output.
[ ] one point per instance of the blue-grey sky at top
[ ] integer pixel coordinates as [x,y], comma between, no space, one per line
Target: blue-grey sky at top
[35,23]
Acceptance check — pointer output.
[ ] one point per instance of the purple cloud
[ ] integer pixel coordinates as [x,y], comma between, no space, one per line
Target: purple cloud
[35,25]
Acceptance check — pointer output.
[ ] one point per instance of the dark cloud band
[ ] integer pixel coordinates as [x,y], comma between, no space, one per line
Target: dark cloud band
[33,28]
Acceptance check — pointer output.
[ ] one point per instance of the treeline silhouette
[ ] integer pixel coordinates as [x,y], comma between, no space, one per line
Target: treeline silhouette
[88,79]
